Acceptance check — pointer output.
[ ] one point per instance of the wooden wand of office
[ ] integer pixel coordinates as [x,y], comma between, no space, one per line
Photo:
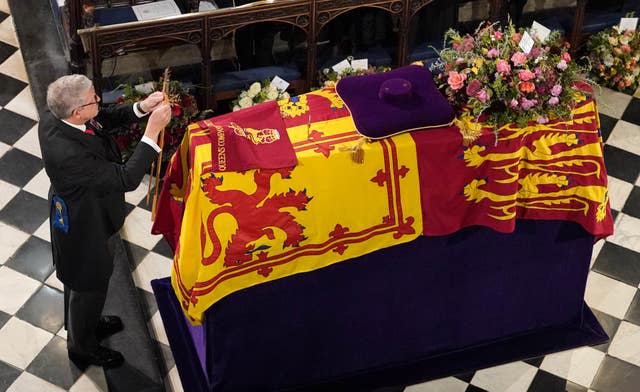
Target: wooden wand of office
[158,164]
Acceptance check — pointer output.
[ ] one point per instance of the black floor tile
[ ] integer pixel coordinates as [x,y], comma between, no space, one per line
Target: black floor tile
[8,375]
[534,361]
[167,364]
[45,309]
[128,208]
[135,253]
[18,167]
[466,377]
[621,164]
[25,211]
[6,50]
[150,306]
[632,113]
[615,375]
[14,126]
[52,364]
[547,382]
[163,248]
[33,258]
[618,262]
[632,205]
[4,317]
[606,126]
[3,16]
[473,388]
[633,313]
[610,325]
[10,88]
[614,214]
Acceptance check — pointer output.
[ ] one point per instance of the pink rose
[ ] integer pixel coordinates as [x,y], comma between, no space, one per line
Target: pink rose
[482,95]
[503,67]
[556,90]
[566,56]
[493,52]
[553,101]
[456,80]
[516,37]
[626,48]
[519,58]
[467,44]
[562,65]
[513,103]
[473,87]
[497,35]
[525,75]
[543,120]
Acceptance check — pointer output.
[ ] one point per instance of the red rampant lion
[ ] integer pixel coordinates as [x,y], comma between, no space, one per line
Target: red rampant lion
[256,215]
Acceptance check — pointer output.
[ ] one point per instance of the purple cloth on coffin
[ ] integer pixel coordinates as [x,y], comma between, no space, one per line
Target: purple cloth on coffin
[434,307]
[384,104]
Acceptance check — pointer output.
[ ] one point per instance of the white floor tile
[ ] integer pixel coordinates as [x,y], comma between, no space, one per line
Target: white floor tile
[10,240]
[7,192]
[153,266]
[619,191]
[137,229]
[44,231]
[93,380]
[157,328]
[626,344]
[579,366]
[39,185]
[4,6]
[8,32]
[27,382]
[597,247]
[62,333]
[29,142]
[608,295]
[172,381]
[14,67]
[627,232]
[512,377]
[626,136]
[21,342]
[15,289]
[23,104]
[448,384]
[135,197]
[53,281]
[3,147]
[611,103]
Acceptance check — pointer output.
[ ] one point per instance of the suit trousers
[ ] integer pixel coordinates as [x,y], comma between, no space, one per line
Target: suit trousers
[82,312]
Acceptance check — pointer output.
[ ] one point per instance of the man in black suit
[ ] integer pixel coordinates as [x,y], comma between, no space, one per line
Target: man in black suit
[88,181]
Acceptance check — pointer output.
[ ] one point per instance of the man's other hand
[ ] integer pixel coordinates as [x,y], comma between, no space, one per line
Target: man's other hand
[152,102]
[158,120]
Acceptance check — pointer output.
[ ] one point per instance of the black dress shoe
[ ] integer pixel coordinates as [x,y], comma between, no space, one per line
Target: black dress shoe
[107,326]
[102,356]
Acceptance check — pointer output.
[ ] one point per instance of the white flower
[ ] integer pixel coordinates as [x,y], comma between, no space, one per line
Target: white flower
[242,94]
[254,89]
[245,102]
[272,94]
[284,95]
[236,108]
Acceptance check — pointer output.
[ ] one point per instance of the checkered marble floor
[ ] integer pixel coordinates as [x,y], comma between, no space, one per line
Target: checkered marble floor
[32,340]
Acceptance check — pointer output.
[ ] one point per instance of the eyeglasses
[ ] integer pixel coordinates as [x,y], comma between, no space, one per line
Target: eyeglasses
[96,99]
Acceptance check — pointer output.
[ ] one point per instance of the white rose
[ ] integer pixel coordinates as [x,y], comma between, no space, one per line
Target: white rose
[272,94]
[271,88]
[243,94]
[254,89]
[284,95]
[236,108]
[245,102]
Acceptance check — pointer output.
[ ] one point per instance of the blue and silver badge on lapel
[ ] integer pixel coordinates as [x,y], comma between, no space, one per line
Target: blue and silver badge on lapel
[60,214]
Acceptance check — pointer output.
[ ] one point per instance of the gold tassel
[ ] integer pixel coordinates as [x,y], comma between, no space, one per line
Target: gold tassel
[357,151]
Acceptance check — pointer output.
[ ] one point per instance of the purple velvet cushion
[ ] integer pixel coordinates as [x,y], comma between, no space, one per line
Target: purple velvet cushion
[404,99]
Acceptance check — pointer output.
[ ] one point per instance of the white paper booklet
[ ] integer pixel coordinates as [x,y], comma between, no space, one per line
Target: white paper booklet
[158,9]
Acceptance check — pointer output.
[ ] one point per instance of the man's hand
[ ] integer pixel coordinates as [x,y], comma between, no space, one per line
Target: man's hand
[158,119]
[152,102]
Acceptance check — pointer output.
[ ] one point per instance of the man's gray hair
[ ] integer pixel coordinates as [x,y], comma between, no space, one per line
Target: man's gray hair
[66,94]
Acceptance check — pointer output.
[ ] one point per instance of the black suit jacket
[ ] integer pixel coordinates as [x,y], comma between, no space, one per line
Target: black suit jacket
[87,172]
